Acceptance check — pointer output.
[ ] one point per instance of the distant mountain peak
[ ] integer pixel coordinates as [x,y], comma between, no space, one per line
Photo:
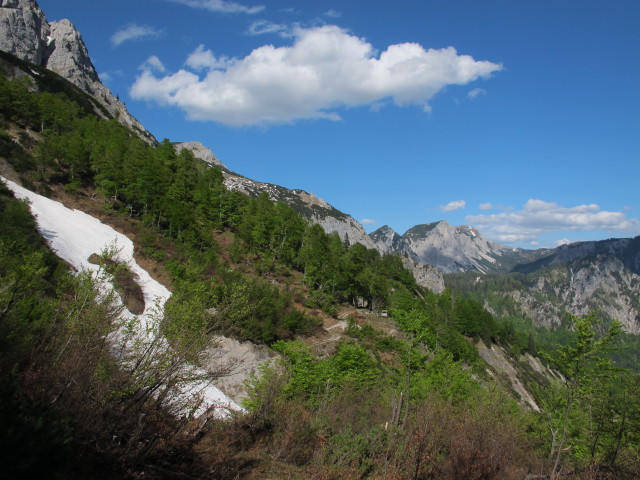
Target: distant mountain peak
[451,248]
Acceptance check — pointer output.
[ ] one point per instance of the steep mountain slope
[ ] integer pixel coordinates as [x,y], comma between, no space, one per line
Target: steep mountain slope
[452,249]
[75,236]
[546,284]
[308,205]
[627,250]
[58,46]
[573,279]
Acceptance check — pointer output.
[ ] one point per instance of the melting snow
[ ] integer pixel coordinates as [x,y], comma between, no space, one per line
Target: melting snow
[75,236]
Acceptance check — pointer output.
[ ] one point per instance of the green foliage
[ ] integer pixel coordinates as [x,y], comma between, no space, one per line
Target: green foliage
[587,416]
[312,379]
[440,375]
[434,323]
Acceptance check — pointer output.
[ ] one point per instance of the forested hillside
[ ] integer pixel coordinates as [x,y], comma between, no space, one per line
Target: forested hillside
[417,402]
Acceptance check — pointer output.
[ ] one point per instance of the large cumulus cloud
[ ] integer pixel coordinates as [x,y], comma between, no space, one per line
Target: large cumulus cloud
[324,69]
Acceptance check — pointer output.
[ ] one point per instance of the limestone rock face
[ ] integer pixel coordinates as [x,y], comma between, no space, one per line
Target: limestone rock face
[388,241]
[453,248]
[426,276]
[23,30]
[598,282]
[447,247]
[69,58]
[58,46]
[201,152]
[577,278]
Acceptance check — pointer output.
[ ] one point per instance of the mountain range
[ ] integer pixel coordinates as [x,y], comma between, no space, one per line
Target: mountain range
[602,275]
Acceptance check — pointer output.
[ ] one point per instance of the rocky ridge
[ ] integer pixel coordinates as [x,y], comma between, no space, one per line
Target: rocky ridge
[58,46]
[452,248]
[574,279]
[307,204]
[601,283]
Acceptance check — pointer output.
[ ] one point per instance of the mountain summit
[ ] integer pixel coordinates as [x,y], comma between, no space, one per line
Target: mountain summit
[58,46]
[452,248]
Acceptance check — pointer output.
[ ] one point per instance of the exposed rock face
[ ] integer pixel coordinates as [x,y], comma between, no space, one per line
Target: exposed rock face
[69,58]
[388,241]
[599,283]
[201,152]
[58,46]
[575,279]
[627,250]
[499,361]
[426,276]
[23,30]
[451,248]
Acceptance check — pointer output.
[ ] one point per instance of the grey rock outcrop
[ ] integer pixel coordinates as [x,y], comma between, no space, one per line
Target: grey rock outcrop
[426,276]
[500,363]
[68,56]
[201,152]
[58,46]
[597,283]
[388,241]
[451,248]
[575,279]
[24,30]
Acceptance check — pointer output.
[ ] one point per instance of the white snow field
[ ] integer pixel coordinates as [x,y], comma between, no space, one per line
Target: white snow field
[74,236]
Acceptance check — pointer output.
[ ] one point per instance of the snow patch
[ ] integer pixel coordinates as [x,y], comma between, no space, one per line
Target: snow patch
[74,236]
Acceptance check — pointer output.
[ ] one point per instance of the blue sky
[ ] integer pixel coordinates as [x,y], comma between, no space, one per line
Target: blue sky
[518,117]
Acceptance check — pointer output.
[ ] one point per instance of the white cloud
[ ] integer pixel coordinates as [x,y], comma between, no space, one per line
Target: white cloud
[201,59]
[538,217]
[476,92]
[332,13]
[455,205]
[324,69]
[220,6]
[153,63]
[486,206]
[368,221]
[105,77]
[261,27]
[134,31]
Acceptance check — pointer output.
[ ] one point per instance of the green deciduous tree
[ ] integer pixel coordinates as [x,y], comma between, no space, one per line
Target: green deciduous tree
[587,369]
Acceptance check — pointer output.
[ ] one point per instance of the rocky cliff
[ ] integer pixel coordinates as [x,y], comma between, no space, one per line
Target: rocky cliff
[58,46]
[575,279]
[585,276]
